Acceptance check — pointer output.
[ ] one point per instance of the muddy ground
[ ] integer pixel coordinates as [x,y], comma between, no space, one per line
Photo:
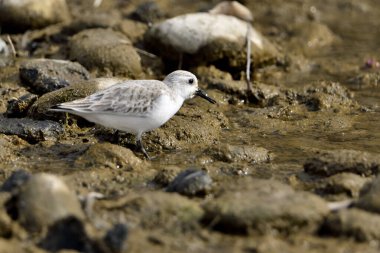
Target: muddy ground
[290,168]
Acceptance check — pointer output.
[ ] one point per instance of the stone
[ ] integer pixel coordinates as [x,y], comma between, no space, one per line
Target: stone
[15,181]
[265,206]
[19,107]
[20,15]
[238,153]
[45,199]
[356,223]
[39,110]
[327,163]
[369,198]
[209,38]
[347,183]
[107,155]
[31,130]
[116,238]
[106,51]
[45,75]
[191,182]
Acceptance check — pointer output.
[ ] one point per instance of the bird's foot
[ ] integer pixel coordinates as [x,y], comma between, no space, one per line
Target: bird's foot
[141,148]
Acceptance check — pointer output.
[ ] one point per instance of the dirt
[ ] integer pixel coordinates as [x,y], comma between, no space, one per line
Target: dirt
[309,135]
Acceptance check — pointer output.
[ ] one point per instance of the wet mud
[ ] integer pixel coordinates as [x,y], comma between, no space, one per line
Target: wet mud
[291,166]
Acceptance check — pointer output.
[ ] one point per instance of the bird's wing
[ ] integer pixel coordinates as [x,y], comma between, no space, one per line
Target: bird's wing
[131,98]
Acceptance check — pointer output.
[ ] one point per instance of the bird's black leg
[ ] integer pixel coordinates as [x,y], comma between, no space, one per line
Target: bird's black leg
[140,146]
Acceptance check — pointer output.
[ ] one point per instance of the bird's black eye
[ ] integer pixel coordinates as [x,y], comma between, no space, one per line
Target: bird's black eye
[191,81]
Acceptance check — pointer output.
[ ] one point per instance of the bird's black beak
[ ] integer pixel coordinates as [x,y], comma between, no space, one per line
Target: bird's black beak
[204,95]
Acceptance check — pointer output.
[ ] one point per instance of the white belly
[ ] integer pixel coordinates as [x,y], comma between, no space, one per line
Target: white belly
[164,109]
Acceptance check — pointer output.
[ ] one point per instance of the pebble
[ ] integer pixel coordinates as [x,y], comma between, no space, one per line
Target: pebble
[191,182]
[21,15]
[265,206]
[45,199]
[45,75]
[107,52]
[31,130]
[327,163]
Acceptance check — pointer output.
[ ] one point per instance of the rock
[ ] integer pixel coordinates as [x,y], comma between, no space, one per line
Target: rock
[209,38]
[10,143]
[132,29]
[31,130]
[39,110]
[346,183]
[327,96]
[166,175]
[234,153]
[15,181]
[233,8]
[313,35]
[170,212]
[327,163]
[19,107]
[147,12]
[107,155]
[116,238]
[5,58]
[45,75]
[20,15]
[68,234]
[51,193]
[180,131]
[93,19]
[105,51]
[361,225]
[369,199]
[365,80]
[263,206]
[191,182]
